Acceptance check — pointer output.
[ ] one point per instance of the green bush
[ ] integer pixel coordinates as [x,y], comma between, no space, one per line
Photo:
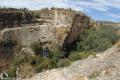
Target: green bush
[55,52]
[54,56]
[63,63]
[39,63]
[36,15]
[79,55]
[36,47]
[97,40]
[43,64]
[12,72]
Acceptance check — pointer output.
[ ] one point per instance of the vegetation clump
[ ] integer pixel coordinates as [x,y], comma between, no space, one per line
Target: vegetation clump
[74,56]
[89,43]
[97,40]
[12,17]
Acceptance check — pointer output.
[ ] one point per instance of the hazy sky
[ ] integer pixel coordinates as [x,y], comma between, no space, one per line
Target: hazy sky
[97,9]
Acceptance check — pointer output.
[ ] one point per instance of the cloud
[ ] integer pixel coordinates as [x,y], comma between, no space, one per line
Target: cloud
[33,4]
[89,6]
[37,4]
[93,4]
[113,15]
[100,5]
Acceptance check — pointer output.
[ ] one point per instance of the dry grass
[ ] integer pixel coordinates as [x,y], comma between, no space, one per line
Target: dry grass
[25,70]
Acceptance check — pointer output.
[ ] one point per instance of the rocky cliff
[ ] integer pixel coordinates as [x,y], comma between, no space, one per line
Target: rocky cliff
[52,26]
[12,17]
[80,23]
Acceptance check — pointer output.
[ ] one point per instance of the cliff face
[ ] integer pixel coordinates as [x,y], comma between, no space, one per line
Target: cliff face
[11,17]
[80,23]
[57,17]
[52,26]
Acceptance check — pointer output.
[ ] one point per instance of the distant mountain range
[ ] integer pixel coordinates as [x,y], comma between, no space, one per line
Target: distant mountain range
[108,22]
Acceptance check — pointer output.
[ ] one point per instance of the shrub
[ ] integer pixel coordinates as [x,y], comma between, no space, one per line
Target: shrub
[97,40]
[12,68]
[36,47]
[12,72]
[63,63]
[39,63]
[44,64]
[36,15]
[54,52]
[79,55]
[109,33]
[8,43]
[7,48]
[54,56]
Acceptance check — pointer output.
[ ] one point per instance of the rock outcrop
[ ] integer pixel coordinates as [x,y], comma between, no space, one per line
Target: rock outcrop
[80,23]
[105,66]
[52,26]
[12,17]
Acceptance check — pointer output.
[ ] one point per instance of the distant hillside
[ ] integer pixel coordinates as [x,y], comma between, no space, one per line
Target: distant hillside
[109,23]
[106,22]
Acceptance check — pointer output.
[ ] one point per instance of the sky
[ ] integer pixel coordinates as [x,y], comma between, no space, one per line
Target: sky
[107,10]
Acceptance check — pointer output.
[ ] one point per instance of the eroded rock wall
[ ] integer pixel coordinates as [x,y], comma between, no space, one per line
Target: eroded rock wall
[80,23]
[55,25]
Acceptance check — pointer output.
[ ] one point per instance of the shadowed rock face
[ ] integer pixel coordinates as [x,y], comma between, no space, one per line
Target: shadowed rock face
[10,18]
[80,23]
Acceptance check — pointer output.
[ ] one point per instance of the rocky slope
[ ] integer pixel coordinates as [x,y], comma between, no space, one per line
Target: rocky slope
[103,66]
[12,17]
[49,27]
[56,27]
[52,27]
